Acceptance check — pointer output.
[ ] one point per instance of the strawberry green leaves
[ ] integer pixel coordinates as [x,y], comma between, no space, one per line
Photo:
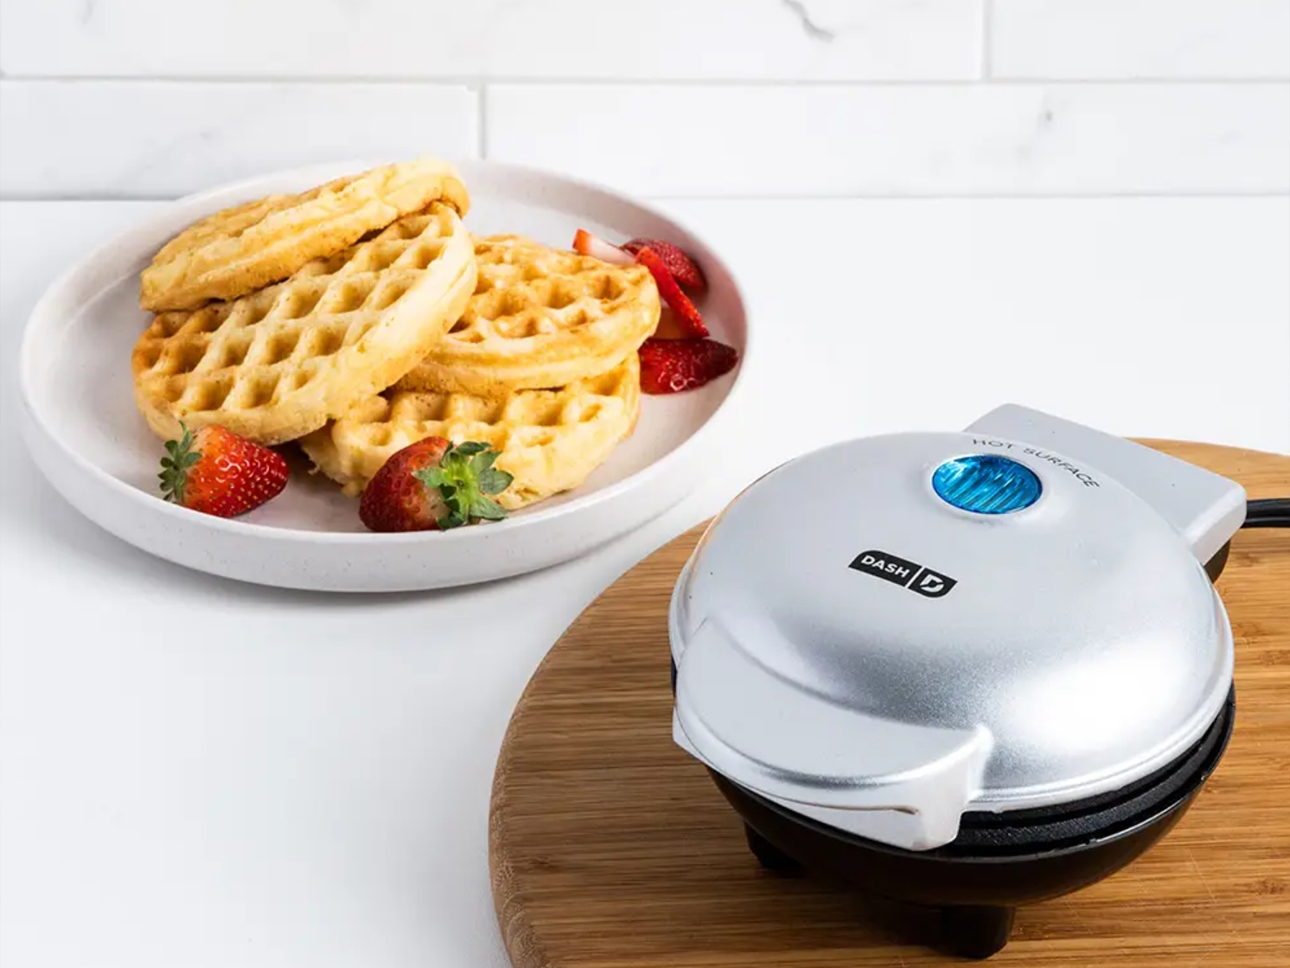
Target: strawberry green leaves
[430,485]
[214,471]
[465,478]
[179,459]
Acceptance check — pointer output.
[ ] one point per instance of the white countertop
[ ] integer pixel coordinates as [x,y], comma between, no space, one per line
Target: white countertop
[197,772]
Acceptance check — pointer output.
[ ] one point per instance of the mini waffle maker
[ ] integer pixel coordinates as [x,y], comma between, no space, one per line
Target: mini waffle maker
[966,670]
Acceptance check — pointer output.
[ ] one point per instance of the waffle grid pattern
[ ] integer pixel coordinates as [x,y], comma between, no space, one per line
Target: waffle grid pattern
[550,440]
[539,317]
[237,362]
[241,249]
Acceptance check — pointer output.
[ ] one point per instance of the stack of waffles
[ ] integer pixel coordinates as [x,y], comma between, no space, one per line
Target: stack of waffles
[361,316]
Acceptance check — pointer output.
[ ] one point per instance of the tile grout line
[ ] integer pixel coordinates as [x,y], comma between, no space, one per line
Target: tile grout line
[713,82]
[481,121]
[987,39]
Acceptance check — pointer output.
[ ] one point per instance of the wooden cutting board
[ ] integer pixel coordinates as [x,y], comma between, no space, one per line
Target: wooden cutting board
[610,848]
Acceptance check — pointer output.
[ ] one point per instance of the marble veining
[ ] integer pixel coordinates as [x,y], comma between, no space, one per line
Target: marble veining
[809,98]
[812,29]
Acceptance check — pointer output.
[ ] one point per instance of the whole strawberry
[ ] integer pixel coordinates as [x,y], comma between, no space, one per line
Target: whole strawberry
[432,485]
[217,472]
[673,365]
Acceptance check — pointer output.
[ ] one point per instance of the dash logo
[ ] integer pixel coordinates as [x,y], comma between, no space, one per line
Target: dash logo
[887,567]
[905,573]
[932,584]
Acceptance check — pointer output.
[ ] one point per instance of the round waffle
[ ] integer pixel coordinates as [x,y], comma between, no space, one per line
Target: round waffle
[279,363]
[550,440]
[240,249]
[539,318]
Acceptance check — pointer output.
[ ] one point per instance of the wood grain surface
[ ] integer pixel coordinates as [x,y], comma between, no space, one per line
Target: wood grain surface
[610,848]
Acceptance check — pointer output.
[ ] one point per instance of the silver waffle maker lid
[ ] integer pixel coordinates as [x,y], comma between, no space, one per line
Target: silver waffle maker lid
[892,631]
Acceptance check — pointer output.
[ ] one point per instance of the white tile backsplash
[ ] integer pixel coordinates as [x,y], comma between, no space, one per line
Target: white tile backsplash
[1141,38]
[595,39]
[902,140]
[673,97]
[164,139]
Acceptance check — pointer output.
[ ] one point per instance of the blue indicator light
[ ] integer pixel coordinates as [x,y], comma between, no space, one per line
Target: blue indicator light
[986,484]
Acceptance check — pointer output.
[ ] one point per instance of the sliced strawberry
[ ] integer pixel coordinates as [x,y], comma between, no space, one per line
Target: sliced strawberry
[584,243]
[668,327]
[432,485]
[686,312]
[217,472]
[684,269]
[673,365]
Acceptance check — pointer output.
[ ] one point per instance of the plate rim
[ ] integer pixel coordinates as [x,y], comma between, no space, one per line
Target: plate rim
[150,503]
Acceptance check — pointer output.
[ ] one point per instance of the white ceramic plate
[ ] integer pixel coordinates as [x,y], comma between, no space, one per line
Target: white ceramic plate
[84,432]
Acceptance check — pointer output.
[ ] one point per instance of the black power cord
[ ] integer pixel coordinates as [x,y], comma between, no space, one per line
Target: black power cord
[1270,512]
